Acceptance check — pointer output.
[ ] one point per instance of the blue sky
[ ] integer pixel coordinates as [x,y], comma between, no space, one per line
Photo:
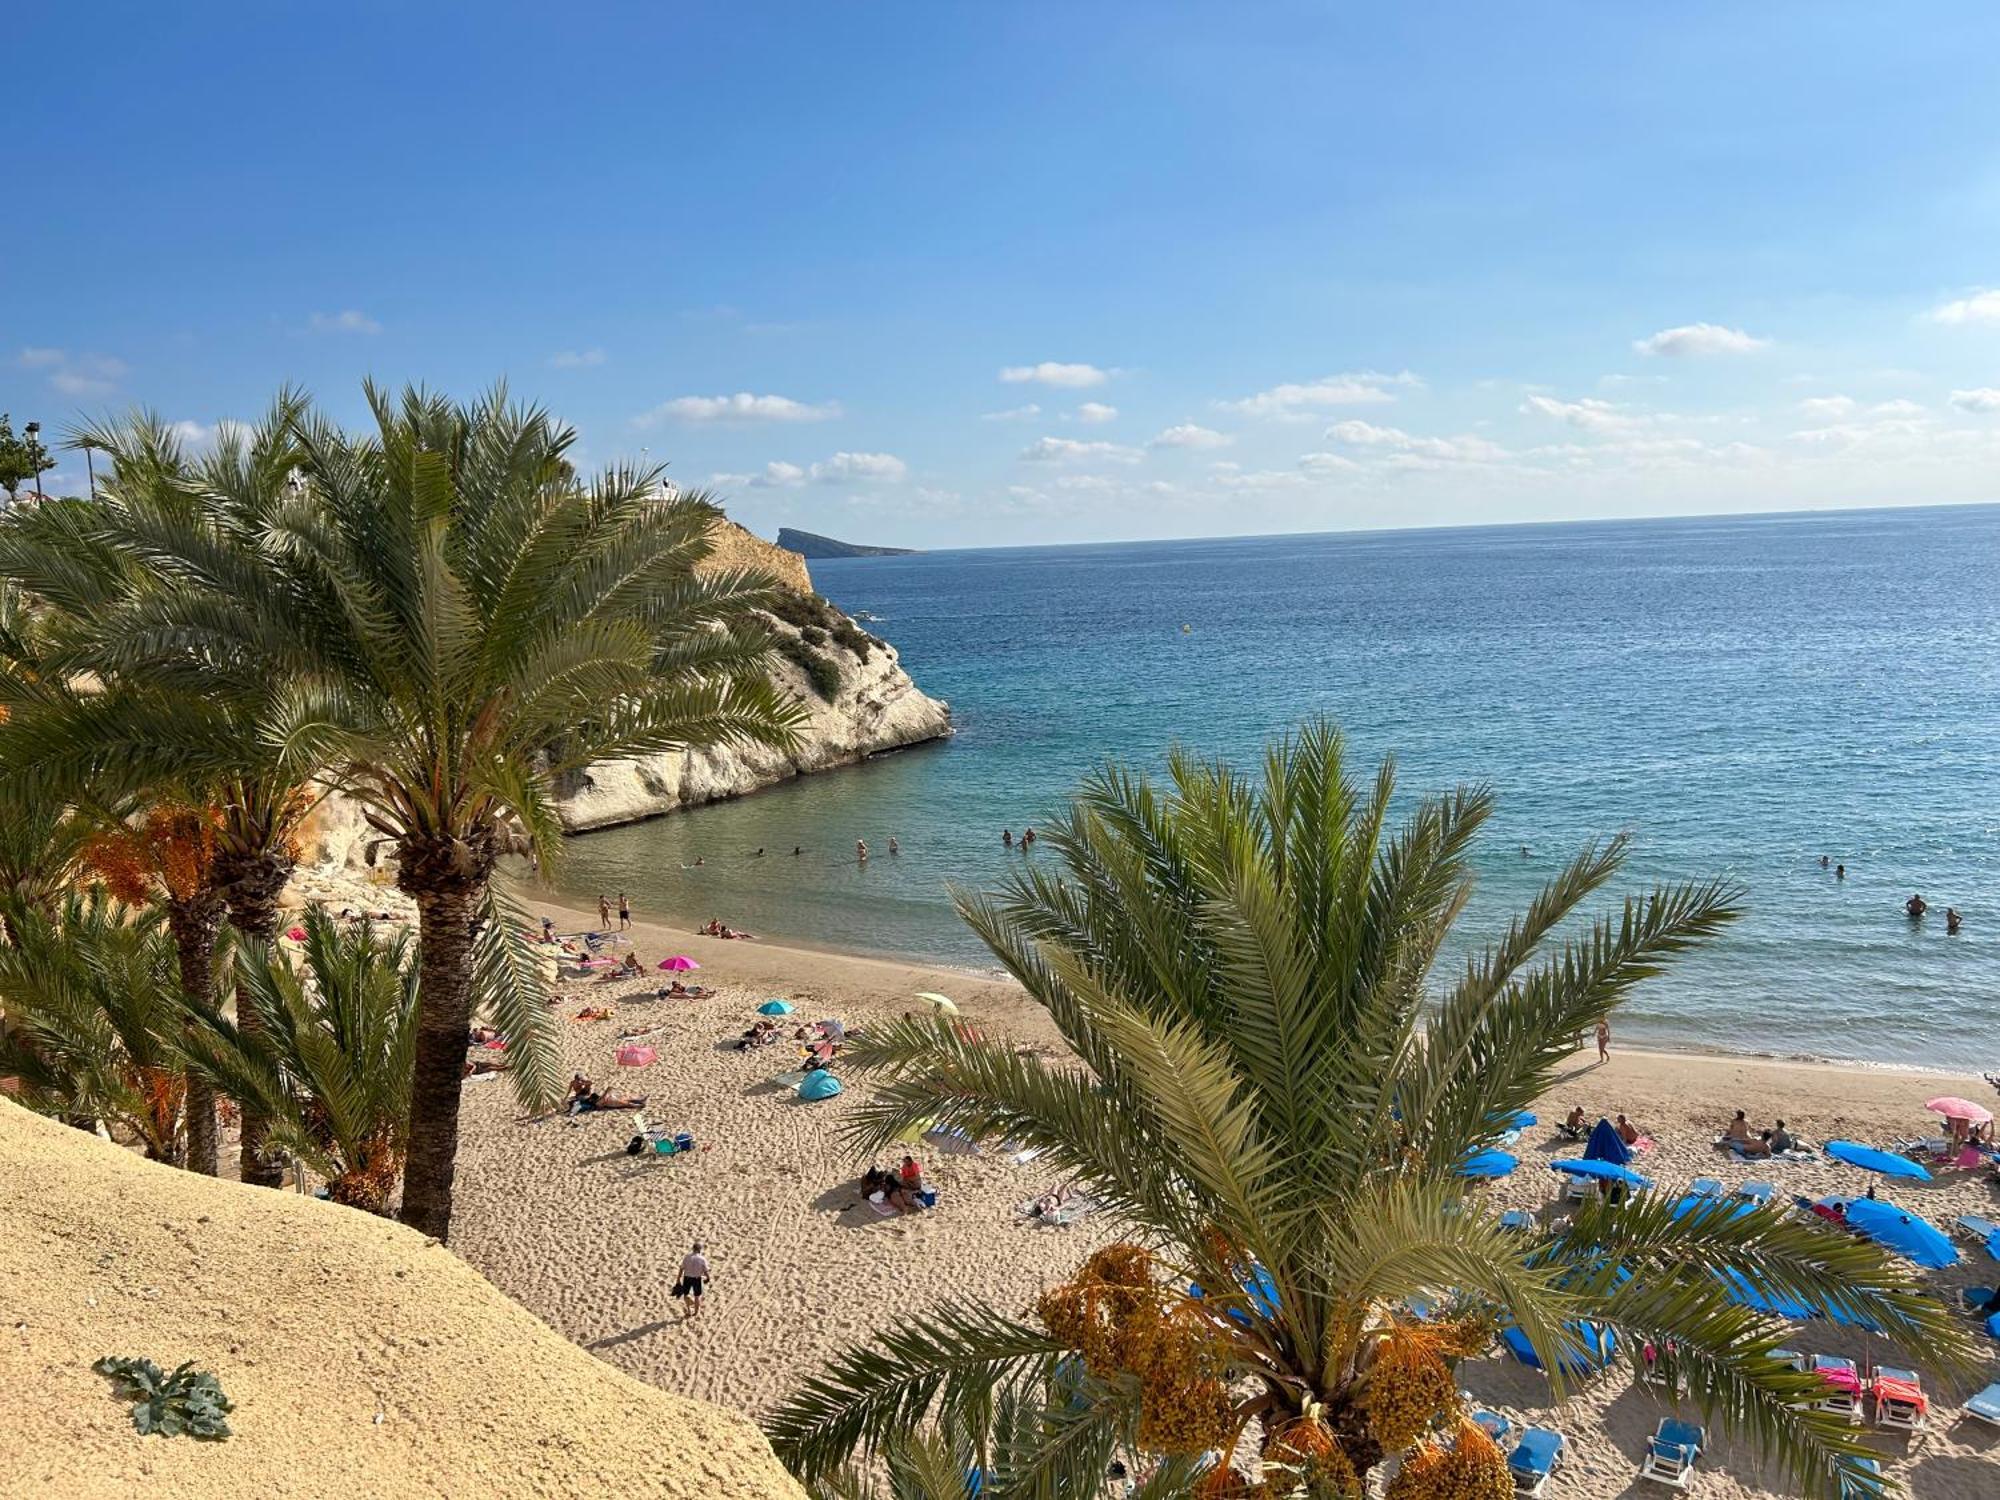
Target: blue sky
[963,275]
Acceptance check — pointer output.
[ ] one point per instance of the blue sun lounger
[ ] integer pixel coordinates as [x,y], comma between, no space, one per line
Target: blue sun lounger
[1671,1454]
[1756,1192]
[1535,1458]
[1517,1218]
[1705,1187]
[1985,1407]
[1493,1425]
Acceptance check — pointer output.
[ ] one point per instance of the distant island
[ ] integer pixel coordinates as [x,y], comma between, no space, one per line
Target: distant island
[806,544]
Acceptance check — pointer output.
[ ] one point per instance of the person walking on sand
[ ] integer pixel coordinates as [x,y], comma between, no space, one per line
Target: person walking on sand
[1604,1039]
[694,1276]
[603,910]
[624,912]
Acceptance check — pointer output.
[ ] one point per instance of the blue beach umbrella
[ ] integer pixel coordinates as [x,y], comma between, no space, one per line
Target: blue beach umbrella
[1488,1164]
[1606,1145]
[775,1008]
[1258,1287]
[1603,1171]
[1585,1347]
[1746,1293]
[1910,1235]
[1993,1325]
[1870,1160]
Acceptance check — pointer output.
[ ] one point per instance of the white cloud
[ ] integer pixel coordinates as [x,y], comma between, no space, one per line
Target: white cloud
[1064,450]
[1298,401]
[1464,449]
[1982,399]
[576,359]
[741,407]
[1828,408]
[193,434]
[1189,435]
[1328,463]
[76,374]
[1095,411]
[841,468]
[1980,307]
[1698,339]
[1049,372]
[1897,408]
[1012,414]
[348,320]
[844,468]
[1588,414]
[776,475]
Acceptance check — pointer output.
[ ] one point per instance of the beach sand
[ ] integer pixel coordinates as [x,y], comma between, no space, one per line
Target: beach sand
[590,1239]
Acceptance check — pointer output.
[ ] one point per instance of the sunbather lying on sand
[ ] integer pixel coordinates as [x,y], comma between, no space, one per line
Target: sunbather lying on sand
[679,991]
[595,1013]
[763,1034]
[585,1096]
[479,1036]
[478,1067]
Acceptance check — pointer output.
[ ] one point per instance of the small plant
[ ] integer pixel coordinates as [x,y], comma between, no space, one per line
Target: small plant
[187,1401]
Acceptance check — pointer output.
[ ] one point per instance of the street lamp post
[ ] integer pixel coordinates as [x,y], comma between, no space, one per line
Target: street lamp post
[87,445]
[33,431]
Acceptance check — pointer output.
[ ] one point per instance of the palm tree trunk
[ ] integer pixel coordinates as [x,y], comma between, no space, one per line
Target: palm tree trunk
[252,886]
[193,923]
[445,918]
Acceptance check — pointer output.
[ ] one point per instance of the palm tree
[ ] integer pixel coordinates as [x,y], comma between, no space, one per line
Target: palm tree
[1267,1094]
[328,1058]
[456,621]
[92,998]
[106,720]
[165,858]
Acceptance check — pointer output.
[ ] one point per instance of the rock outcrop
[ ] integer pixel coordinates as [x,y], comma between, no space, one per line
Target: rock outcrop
[858,699]
[363,1359]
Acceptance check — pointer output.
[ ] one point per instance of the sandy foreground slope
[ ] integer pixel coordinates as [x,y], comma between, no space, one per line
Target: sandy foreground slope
[364,1360]
[590,1239]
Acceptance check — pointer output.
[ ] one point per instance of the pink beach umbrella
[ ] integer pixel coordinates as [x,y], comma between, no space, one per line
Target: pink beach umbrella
[1954,1108]
[680,963]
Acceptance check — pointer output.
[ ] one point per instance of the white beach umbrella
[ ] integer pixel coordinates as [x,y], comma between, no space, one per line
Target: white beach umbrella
[942,1004]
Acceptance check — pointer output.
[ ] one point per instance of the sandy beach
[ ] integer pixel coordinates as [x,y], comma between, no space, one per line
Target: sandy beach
[559,1217]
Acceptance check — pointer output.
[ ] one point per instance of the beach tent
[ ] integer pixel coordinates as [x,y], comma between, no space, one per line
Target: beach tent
[1870,1160]
[775,1008]
[819,1085]
[1488,1164]
[1910,1235]
[1606,1144]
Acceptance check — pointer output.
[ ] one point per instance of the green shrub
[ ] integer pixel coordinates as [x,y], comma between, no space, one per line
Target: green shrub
[812,635]
[820,671]
[188,1401]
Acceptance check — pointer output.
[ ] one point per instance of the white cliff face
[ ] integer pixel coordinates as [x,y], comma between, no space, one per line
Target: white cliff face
[876,708]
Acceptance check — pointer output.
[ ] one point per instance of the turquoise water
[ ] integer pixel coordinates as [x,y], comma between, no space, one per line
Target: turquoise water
[1742,695]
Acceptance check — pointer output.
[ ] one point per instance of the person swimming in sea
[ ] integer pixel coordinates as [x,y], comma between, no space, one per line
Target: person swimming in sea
[861,851]
[797,851]
[1951,921]
[1840,872]
[894,847]
[1007,837]
[1916,906]
[1824,861]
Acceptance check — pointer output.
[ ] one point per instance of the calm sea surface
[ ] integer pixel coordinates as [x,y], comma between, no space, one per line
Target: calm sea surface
[1741,695]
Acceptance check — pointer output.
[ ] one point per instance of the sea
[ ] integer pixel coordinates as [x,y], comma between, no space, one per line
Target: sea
[1746,697]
